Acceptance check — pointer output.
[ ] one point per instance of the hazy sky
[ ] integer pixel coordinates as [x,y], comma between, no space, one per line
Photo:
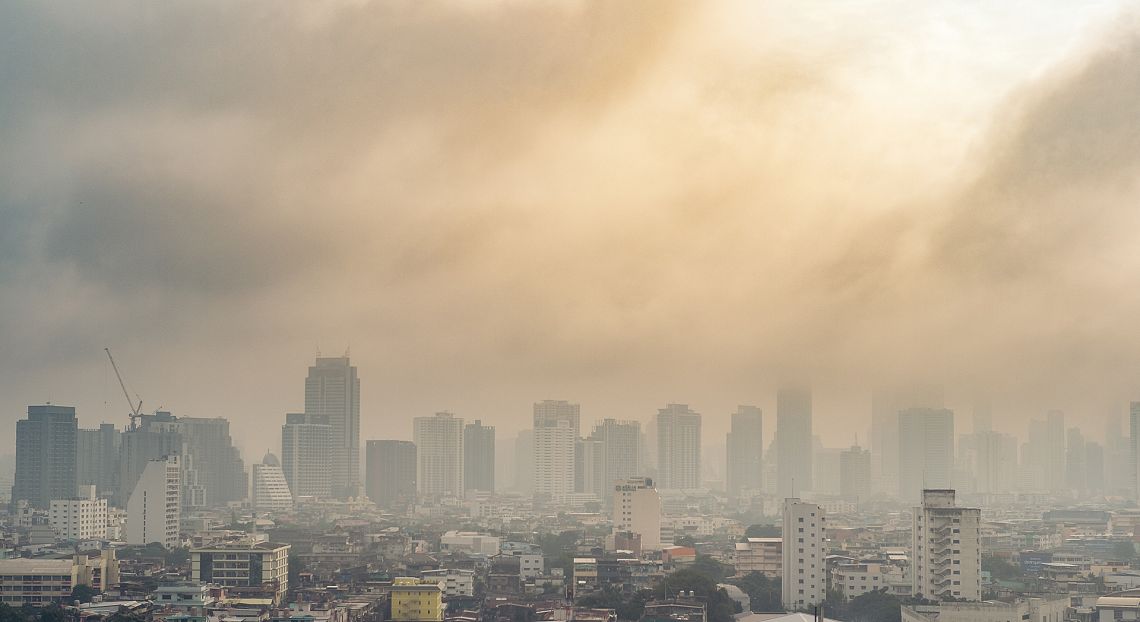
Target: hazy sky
[616,203]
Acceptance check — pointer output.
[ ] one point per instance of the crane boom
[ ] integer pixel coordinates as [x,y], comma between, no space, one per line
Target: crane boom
[135,410]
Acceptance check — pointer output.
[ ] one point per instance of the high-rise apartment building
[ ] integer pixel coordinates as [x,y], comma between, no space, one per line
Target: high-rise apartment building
[855,474]
[97,459]
[548,413]
[637,509]
[886,403]
[556,430]
[46,446]
[390,472]
[270,490]
[804,582]
[945,554]
[1094,466]
[793,441]
[306,458]
[1044,468]
[621,444]
[332,389]
[589,467]
[439,454]
[995,462]
[745,451]
[678,447]
[524,462]
[479,456]
[926,450]
[80,518]
[154,505]
[1076,474]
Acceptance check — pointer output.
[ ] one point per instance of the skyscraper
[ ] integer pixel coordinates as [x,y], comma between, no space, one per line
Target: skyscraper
[305,454]
[793,441]
[1076,475]
[995,466]
[804,582]
[556,428]
[46,446]
[332,389]
[621,447]
[945,547]
[886,402]
[745,448]
[479,456]
[98,458]
[153,505]
[1134,440]
[524,462]
[926,450]
[678,447]
[439,454]
[270,491]
[390,472]
[855,474]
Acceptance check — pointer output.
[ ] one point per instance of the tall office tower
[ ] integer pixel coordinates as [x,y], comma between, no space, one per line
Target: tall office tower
[793,441]
[98,459]
[305,455]
[213,472]
[390,473]
[554,446]
[332,389]
[995,462]
[439,454]
[1076,474]
[804,583]
[744,450]
[154,504]
[945,552]
[824,468]
[589,467]
[548,413]
[637,509]
[46,445]
[1094,466]
[1045,457]
[886,402]
[270,490]
[1118,478]
[926,450]
[621,447]
[524,462]
[855,474]
[678,447]
[479,456]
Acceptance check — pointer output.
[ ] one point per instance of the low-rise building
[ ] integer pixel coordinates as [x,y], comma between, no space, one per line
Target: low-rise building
[83,517]
[1051,609]
[763,555]
[46,581]
[469,542]
[455,581]
[416,600]
[260,569]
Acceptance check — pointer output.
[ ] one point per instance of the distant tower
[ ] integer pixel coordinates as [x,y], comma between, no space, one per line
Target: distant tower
[556,425]
[926,450]
[270,491]
[793,441]
[46,447]
[479,456]
[855,474]
[745,451]
[306,456]
[332,389]
[439,454]
[678,447]
[390,473]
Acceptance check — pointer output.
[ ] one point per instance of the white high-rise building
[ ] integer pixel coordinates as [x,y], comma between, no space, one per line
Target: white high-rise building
[270,491]
[154,507]
[439,454]
[945,554]
[804,583]
[678,447]
[83,517]
[621,446]
[926,450]
[556,428]
[332,389]
[637,509]
[306,454]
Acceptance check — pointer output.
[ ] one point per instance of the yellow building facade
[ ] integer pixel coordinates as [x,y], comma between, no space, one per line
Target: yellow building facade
[416,600]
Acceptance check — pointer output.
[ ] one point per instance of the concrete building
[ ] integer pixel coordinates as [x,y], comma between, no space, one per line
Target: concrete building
[556,429]
[46,449]
[856,579]
[455,581]
[793,441]
[945,548]
[270,491]
[804,582]
[589,468]
[479,456]
[79,518]
[678,448]
[1134,445]
[637,509]
[926,450]
[995,462]
[306,454]
[1043,466]
[390,473]
[439,454]
[744,448]
[332,389]
[249,570]
[524,462]
[886,403]
[97,459]
[763,555]
[416,600]
[469,542]
[1049,609]
[154,506]
[621,450]
[42,582]
[855,474]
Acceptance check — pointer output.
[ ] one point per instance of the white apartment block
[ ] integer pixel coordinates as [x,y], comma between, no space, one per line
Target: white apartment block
[945,548]
[637,508]
[804,582]
[678,447]
[554,461]
[154,506]
[859,578]
[83,517]
[455,581]
[763,555]
[439,454]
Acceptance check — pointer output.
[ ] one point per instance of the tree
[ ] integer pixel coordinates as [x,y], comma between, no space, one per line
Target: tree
[1124,551]
[1001,569]
[762,531]
[876,606]
[721,608]
[711,568]
[763,591]
[83,593]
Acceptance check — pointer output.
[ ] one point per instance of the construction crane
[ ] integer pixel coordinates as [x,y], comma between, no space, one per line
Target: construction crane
[136,410]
